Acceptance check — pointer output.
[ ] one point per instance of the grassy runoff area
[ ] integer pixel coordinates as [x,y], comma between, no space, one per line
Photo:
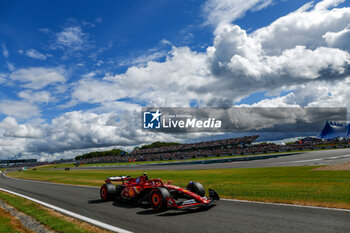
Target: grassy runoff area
[297,185]
[50,218]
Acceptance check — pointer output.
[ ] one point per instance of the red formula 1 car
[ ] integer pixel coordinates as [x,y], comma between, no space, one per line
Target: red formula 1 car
[154,192]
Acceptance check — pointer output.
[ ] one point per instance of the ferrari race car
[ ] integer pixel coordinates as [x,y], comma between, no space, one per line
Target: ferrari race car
[154,192]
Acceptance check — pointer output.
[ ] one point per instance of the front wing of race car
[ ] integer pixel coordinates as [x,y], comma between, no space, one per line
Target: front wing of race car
[193,203]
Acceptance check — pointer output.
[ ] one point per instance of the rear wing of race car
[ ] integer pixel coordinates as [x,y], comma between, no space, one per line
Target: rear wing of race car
[117,178]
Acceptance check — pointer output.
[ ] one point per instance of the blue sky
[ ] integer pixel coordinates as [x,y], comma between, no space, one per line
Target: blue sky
[93,62]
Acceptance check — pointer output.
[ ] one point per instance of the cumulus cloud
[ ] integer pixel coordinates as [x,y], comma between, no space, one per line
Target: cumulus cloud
[304,46]
[306,27]
[84,130]
[38,77]
[19,109]
[35,54]
[158,83]
[305,52]
[315,94]
[240,57]
[338,39]
[9,127]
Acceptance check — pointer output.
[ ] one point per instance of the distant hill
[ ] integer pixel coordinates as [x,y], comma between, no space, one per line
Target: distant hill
[114,152]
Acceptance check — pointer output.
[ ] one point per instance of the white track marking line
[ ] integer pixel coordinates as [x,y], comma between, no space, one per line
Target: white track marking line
[282,204]
[71,214]
[47,182]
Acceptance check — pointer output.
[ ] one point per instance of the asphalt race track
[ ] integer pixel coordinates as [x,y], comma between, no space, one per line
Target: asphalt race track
[309,158]
[226,216]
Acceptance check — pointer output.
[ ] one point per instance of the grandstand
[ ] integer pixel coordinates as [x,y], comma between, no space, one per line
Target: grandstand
[17,161]
[214,148]
[222,147]
[225,147]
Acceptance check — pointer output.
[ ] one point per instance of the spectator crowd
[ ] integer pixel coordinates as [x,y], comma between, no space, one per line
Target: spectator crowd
[224,147]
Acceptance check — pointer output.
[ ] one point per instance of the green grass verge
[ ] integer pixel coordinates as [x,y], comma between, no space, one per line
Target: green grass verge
[298,185]
[6,224]
[40,214]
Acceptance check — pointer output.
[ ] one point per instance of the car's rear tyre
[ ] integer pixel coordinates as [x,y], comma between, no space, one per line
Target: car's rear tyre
[107,192]
[196,188]
[158,198]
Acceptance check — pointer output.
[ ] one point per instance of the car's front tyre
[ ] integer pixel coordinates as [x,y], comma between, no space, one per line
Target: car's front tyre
[158,198]
[196,188]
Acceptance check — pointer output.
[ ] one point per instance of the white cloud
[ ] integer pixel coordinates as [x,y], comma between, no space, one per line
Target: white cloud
[241,64]
[316,94]
[35,97]
[221,12]
[10,66]
[10,128]
[290,51]
[71,38]
[19,109]
[157,83]
[89,75]
[338,39]
[142,59]
[35,54]
[305,26]
[38,77]
[158,52]
[5,52]
[12,147]
[75,133]
[79,130]
[326,4]
[262,5]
